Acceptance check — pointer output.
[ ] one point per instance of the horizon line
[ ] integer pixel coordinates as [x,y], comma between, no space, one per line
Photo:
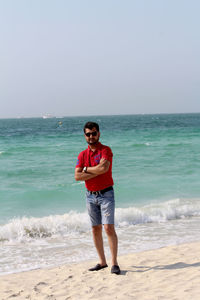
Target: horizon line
[101,115]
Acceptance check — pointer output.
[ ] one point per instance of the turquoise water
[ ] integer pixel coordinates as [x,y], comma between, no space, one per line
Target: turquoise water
[155,169]
[156,157]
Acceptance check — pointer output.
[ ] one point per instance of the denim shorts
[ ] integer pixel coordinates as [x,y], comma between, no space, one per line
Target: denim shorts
[101,208]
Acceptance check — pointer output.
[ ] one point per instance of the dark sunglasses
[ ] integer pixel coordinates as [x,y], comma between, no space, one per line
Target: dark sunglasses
[88,134]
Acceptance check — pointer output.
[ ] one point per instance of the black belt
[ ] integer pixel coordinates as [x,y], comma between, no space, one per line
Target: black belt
[101,191]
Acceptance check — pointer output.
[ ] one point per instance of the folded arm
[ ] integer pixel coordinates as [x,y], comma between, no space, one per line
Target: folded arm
[99,169]
[80,175]
[92,172]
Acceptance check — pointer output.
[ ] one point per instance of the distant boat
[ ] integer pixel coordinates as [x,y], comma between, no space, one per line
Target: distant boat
[48,116]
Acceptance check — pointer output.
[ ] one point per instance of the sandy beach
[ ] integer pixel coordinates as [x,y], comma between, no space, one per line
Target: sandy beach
[171,272]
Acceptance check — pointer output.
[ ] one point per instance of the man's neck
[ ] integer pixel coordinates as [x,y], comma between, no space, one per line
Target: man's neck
[93,147]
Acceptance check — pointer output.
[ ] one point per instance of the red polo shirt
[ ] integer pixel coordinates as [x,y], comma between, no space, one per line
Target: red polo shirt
[88,158]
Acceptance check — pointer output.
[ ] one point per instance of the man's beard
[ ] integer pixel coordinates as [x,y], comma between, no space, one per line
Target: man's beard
[93,143]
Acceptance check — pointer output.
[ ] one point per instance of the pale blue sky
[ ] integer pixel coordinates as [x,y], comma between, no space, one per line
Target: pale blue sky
[91,57]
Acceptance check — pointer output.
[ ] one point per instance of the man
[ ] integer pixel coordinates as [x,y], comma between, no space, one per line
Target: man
[94,166]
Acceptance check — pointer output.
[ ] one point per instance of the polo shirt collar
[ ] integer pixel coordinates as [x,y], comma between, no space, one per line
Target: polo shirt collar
[97,148]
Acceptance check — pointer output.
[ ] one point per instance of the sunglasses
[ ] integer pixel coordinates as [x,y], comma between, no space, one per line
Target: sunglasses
[88,134]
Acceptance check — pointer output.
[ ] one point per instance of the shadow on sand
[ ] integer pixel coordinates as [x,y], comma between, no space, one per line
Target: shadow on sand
[179,265]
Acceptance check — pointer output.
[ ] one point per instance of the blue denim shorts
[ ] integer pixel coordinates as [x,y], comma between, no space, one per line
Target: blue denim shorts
[101,208]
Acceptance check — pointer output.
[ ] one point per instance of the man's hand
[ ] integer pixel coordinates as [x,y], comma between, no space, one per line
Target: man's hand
[80,175]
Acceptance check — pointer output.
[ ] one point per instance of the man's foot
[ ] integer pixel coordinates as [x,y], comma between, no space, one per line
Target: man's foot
[115,270]
[98,267]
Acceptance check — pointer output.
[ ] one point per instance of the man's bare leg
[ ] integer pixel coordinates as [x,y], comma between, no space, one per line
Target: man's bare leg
[98,241]
[113,241]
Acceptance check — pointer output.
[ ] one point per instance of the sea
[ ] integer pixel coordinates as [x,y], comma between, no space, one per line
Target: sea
[43,218]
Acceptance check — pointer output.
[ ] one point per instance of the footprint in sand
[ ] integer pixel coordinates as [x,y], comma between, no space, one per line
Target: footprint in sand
[16,294]
[37,287]
[51,297]
[69,277]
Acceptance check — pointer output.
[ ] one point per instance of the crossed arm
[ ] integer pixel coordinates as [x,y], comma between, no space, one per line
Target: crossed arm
[92,172]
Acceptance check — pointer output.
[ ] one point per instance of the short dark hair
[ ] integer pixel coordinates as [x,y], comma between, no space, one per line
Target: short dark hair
[91,125]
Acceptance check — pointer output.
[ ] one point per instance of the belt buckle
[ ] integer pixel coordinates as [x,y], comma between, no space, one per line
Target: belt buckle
[95,193]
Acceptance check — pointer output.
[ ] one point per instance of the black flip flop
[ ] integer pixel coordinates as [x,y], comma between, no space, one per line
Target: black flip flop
[97,267]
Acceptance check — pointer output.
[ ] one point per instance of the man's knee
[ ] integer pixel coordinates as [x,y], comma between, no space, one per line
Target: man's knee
[109,229]
[97,229]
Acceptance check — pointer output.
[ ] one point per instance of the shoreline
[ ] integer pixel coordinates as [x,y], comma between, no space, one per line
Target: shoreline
[170,272]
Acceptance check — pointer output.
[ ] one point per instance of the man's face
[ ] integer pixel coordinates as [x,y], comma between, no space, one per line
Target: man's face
[92,136]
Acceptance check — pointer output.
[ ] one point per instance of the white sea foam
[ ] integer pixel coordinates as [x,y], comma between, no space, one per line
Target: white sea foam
[25,229]
[148,144]
[158,212]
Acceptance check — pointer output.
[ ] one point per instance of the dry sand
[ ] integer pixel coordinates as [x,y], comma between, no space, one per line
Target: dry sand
[167,273]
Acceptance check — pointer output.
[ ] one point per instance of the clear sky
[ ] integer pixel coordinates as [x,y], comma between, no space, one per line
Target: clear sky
[92,57]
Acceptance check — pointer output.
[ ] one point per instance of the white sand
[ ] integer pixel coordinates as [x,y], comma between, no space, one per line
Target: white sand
[168,273]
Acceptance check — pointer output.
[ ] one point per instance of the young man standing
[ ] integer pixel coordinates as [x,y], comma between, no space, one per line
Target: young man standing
[94,166]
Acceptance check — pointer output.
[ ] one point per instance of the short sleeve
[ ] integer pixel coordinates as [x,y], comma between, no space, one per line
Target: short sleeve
[79,163]
[107,153]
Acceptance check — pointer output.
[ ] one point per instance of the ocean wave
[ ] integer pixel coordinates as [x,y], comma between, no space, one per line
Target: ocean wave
[142,144]
[26,229]
[158,212]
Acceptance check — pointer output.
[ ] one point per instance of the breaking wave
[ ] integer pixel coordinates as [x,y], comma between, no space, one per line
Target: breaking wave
[25,229]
